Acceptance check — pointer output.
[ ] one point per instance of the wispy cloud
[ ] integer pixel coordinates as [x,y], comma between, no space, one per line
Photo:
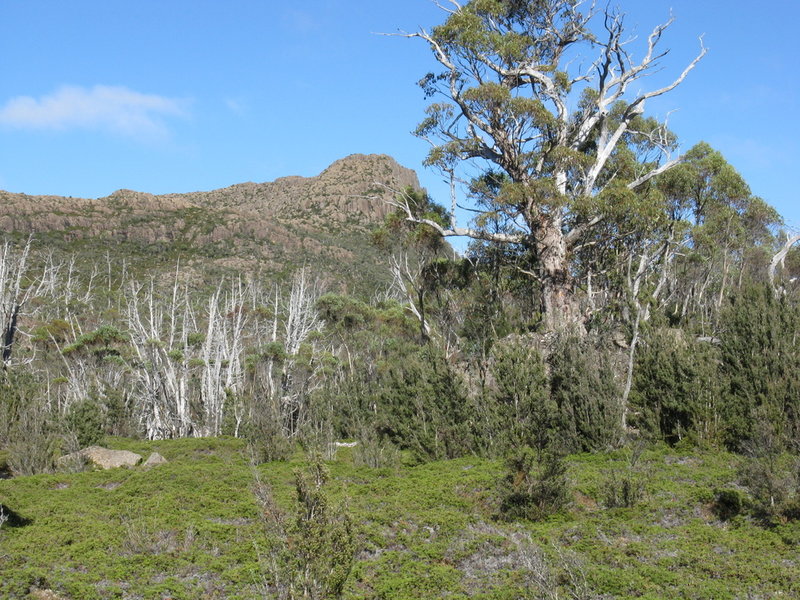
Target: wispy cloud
[236,106]
[300,21]
[108,108]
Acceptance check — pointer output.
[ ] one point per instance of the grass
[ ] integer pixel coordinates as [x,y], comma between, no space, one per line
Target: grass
[191,529]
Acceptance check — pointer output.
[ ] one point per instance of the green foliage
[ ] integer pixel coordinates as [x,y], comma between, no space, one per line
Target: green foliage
[344,312]
[677,388]
[266,441]
[102,342]
[771,477]
[525,411]
[760,353]
[85,420]
[587,395]
[535,485]
[729,503]
[426,408]
[310,555]
[624,486]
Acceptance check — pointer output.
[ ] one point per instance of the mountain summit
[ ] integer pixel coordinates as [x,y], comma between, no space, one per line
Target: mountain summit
[273,226]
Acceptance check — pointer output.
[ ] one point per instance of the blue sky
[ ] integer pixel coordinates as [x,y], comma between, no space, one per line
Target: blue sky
[183,95]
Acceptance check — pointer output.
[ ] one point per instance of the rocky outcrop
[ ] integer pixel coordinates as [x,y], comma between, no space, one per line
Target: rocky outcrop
[104,458]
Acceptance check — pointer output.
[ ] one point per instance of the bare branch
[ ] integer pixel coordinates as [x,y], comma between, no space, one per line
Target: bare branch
[780,256]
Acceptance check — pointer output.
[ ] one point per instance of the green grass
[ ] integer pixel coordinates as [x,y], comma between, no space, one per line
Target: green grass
[191,529]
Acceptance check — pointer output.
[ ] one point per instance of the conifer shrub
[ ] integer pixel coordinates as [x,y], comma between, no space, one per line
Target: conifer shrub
[760,354]
[585,390]
[677,388]
[85,421]
[728,503]
[426,407]
[769,475]
[524,412]
[535,485]
[266,440]
[624,486]
[310,553]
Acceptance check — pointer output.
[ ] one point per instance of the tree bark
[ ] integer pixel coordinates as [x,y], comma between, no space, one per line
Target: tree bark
[560,305]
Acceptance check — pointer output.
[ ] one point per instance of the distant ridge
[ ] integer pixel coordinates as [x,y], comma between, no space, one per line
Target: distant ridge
[273,226]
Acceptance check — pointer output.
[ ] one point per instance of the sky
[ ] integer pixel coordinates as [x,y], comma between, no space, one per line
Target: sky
[166,96]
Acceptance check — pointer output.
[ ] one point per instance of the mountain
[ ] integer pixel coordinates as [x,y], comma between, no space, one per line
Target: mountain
[273,227]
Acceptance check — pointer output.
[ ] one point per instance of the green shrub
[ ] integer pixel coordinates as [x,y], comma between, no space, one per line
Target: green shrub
[728,503]
[677,388]
[311,554]
[760,352]
[584,388]
[525,412]
[425,406]
[535,485]
[85,421]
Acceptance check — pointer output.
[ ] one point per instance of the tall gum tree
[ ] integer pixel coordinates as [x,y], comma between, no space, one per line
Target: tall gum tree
[557,144]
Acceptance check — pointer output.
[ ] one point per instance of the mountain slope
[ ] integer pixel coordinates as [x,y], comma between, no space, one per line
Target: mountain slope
[273,227]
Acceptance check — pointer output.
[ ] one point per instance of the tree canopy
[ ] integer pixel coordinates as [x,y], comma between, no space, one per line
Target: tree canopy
[548,146]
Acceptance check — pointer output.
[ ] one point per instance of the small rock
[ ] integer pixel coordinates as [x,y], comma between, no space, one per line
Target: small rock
[153,460]
[38,594]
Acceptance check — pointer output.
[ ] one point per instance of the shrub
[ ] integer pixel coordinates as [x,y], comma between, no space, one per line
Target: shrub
[760,352]
[265,439]
[522,398]
[584,388]
[311,555]
[535,485]
[624,486]
[426,407]
[677,388]
[85,421]
[728,503]
[374,451]
[34,442]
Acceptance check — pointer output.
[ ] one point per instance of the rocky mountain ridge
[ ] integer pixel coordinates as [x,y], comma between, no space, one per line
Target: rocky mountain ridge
[325,220]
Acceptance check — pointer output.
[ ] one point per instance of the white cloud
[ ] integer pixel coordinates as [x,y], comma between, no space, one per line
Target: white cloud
[109,108]
[237,107]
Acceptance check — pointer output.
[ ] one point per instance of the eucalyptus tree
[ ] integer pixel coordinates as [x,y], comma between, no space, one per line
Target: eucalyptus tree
[548,146]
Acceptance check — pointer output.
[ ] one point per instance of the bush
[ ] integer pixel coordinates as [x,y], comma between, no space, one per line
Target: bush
[728,503]
[521,397]
[769,475]
[34,440]
[85,421]
[584,388]
[311,555]
[677,388]
[426,407]
[760,352]
[624,486]
[535,485]
[265,438]
[374,451]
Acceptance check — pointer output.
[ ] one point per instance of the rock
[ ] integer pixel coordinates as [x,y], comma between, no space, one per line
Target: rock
[153,460]
[104,458]
[38,594]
